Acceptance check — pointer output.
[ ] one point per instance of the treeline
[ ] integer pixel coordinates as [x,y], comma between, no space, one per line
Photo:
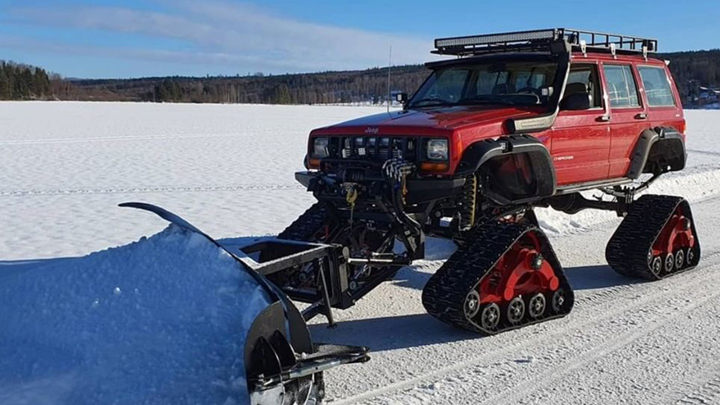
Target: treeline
[22,82]
[690,69]
[309,88]
[694,69]
[25,82]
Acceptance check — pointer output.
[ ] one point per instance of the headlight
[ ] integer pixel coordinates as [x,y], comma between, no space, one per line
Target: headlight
[437,149]
[320,147]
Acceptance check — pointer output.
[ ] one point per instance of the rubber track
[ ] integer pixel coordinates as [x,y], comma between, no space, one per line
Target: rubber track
[307,225]
[445,292]
[627,250]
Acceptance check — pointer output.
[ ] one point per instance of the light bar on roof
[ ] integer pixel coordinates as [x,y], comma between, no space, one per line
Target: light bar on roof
[495,38]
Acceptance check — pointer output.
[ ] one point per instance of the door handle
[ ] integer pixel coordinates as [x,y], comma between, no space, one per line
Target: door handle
[641,116]
[604,118]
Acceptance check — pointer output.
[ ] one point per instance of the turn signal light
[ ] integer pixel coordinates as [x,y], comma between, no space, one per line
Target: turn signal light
[433,167]
[314,163]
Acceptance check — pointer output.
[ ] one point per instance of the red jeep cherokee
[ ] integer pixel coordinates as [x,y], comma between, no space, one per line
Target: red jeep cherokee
[514,121]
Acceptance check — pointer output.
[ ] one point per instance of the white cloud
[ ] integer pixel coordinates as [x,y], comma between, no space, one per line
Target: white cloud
[240,35]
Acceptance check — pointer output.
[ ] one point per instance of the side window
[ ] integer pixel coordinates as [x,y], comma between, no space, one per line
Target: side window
[657,86]
[584,79]
[622,88]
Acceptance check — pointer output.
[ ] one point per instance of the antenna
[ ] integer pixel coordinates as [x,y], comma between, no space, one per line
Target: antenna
[388,80]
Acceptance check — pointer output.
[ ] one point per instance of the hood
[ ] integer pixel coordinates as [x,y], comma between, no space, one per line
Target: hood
[441,118]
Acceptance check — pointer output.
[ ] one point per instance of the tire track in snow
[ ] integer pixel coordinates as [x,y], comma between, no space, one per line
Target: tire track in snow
[514,394]
[149,189]
[707,394]
[691,280]
[704,152]
[706,391]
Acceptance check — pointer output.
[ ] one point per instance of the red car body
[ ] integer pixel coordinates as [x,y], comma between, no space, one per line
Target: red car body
[586,146]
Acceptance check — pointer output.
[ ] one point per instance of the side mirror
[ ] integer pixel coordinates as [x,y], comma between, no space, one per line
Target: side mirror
[401,98]
[577,102]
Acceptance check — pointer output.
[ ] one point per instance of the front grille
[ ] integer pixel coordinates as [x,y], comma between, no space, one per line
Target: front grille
[377,148]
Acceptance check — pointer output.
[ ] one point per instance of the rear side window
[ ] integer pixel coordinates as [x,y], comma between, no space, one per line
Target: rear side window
[622,88]
[657,86]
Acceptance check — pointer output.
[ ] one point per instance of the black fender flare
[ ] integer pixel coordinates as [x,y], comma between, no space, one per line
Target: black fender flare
[665,141]
[481,152]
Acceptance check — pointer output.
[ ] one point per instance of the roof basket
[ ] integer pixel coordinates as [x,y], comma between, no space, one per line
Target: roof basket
[543,41]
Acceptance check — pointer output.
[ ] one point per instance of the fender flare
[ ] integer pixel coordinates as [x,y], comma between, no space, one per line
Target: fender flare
[658,140]
[481,152]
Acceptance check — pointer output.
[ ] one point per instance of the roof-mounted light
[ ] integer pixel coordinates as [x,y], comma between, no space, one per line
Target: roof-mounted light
[505,38]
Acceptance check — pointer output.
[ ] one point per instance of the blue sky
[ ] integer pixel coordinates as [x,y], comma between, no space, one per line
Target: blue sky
[134,38]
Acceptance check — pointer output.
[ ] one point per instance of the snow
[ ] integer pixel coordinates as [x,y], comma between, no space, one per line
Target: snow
[160,320]
[229,170]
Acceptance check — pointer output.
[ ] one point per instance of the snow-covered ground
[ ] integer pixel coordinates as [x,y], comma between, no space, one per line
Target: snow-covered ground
[229,169]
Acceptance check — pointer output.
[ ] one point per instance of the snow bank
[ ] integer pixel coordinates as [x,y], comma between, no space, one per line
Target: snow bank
[159,321]
[694,183]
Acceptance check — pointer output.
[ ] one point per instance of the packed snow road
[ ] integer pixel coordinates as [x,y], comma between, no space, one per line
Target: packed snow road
[229,169]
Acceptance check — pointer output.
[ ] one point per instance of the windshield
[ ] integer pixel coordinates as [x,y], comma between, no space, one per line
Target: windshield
[503,83]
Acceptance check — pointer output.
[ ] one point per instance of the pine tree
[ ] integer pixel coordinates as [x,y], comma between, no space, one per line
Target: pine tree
[41,83]
[281,95]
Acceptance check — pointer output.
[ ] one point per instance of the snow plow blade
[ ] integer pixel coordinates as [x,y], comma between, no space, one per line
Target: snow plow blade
[283,365]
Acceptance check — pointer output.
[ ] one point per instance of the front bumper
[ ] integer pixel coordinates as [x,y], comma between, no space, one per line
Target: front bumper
[419,190]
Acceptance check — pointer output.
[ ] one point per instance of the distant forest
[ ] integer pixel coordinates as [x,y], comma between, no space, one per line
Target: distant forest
[366,86]
[21,82]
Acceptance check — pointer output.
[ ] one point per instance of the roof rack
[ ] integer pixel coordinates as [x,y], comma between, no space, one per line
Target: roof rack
[544,40]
